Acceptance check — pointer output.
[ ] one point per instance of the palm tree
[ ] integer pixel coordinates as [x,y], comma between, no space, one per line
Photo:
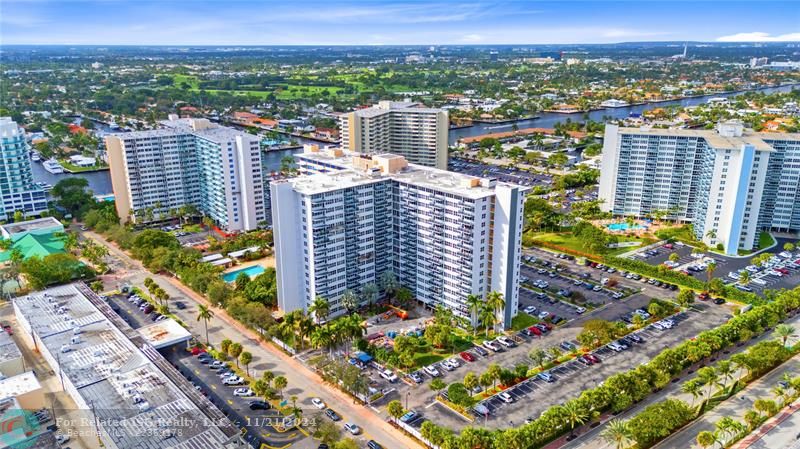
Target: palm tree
[710,270]
[692,387]
[725,369]
[320,308]
[488,318]
[389,282]
[784,331]
[474,305]
[706,439]
[370,292]
[744,278]
[495,301]
[350,300]
[617,433]
[205,314]
[709,377]
[711,234]
[574,414]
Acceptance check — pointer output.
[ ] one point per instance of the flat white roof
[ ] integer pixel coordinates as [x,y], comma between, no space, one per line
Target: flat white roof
[164,333]
[219,262]
[113,367]
[18,385]
[212,257]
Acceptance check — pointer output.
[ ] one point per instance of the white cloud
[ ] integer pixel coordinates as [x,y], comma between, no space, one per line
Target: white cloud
[759,36]
[472,38]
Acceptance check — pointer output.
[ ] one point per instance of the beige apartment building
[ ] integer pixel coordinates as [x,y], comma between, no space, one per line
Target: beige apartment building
[404,128]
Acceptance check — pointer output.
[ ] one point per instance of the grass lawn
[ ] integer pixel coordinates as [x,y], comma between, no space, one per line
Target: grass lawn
[567,240]
[77,169]
[523,321]
[765,240]
[292,91]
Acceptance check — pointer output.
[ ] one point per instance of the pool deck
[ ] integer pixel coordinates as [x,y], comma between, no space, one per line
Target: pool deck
[265,262]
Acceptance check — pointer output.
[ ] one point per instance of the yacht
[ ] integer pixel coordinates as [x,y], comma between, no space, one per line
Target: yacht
[52,166]
[44,186]
[614,103]
[35,157]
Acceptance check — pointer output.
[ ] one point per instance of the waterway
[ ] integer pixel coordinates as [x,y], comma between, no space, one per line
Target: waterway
[100,182]
[549,119]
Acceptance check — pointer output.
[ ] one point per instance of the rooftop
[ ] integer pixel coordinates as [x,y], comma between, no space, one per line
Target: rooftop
[30,226]
[164,333]
[18,385]
[131,387]
[8,349]
[384,107]
[350,176]
[718,141]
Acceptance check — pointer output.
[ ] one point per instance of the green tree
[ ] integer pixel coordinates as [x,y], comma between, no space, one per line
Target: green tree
[471,380]
[784,331]
[395,409]
[234,350]
[437,385]
[706,439]
[320,308]
[280,383]
[224,345]
[617,434]
[685,297]
[246,357]
[538,356]
[205,314]
[575,414]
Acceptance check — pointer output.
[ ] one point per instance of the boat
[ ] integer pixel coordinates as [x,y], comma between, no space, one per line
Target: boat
[614,103]
[35,157]
[44,186]
[52,166]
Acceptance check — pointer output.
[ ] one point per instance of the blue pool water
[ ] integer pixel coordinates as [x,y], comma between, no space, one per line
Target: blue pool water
[623,226]
[251,271]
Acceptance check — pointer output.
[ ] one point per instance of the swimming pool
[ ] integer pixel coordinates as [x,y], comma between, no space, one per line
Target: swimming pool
[251,271]
[623,226]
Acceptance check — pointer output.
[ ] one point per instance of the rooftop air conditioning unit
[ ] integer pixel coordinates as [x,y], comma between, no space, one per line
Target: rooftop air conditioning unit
[65,348]
[76,330]
[75,340]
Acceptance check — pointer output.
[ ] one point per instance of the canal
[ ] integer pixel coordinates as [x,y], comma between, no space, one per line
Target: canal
[100,182]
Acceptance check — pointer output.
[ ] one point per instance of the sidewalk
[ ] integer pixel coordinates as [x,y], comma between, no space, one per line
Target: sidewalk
[303,382]
[772,423]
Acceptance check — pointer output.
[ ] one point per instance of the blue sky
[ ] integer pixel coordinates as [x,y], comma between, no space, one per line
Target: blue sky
[373,22]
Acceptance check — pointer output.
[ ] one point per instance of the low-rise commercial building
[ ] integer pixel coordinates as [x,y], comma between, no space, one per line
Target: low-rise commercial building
[132,398]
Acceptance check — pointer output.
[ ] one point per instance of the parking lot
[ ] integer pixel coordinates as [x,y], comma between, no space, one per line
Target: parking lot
[502,174]
[694,262]
[259,423]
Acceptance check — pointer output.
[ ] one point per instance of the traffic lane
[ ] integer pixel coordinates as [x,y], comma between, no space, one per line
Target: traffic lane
[129,311]
[258,423]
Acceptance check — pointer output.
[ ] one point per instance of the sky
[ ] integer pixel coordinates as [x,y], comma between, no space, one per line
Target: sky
[393,22]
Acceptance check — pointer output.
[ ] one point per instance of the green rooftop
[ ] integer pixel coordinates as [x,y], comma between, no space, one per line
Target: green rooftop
[35,245]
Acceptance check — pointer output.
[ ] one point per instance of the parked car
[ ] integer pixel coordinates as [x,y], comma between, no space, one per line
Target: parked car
[318,403]
[719,301]
[547,377]
[530,310]
[243,392]
[409,416]
[481,352]
[416,377]
[505,397]
[467,356]
[490,345]
[332,415]
[259,405]
[567,346]
[179,305]
[593,358]
[352,428]
[389,375]
[617,346]
[372,444]
[233,380]
[432,371]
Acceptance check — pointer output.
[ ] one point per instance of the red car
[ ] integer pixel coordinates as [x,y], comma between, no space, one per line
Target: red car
[592,357]
[467,356]
[535,330]
[782,270]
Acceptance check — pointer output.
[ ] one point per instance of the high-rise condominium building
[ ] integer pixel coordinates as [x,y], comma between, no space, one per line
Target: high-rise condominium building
[408,129]
[188,162]
[443,235]
[17,190]
[730,183]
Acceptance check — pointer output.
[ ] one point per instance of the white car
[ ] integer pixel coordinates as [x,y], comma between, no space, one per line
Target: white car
[352,428]
[617,347]
[506,397]
[243,392]
[454,362]
[658,325]
[389,375]
[233,380]
[62,438]
[544,314]
[580,310]
[433,372]
[530,310]
[775,273]
[505,341]
[318,403]
[667,323]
